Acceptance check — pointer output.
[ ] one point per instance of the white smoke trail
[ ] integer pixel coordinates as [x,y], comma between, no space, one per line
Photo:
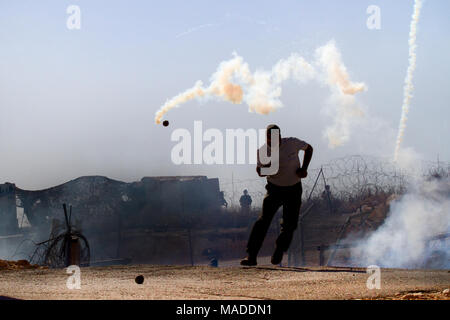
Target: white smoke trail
[261,91]
[342,102]
[330,58]
[408,88]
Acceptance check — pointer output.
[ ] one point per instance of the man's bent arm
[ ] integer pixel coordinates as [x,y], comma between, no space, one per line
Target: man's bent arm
[258,170]
[307,157]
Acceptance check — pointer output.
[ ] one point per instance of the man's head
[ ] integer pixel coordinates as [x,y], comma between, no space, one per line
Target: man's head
[269,129]
[245,191]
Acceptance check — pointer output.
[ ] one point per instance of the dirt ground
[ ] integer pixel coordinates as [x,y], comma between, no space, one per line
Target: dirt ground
[229,282]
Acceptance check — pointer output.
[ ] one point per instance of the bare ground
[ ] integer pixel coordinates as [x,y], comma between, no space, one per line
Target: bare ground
[202,282]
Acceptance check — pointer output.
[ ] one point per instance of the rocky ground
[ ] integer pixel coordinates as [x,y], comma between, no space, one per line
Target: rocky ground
[202,282]
[420,295]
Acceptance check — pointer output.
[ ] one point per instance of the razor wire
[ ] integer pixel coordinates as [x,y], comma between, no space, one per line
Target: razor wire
[349,177]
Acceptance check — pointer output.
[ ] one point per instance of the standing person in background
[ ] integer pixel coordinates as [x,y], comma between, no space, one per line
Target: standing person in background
[245,201]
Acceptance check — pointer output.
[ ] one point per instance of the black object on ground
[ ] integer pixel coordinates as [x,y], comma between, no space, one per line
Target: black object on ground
[139,279]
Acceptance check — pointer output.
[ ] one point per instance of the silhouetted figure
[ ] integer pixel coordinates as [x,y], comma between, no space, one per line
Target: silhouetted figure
[326,194]
[284,188]
[328,199]
[245,201]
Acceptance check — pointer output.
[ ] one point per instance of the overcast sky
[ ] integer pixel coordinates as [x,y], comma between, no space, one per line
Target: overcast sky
[82,102]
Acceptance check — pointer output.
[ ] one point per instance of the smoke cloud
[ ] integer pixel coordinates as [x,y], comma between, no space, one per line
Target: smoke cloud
[261,90]
[408,88]
[403,240]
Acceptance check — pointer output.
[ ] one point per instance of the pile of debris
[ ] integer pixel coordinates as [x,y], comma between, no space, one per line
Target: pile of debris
[418,295]
[368,215]
[16,265]
[65,247]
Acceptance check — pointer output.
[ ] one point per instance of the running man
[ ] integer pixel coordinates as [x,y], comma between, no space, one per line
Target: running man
[284,188]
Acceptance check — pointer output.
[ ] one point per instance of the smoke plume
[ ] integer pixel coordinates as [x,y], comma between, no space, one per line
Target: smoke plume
[403,241]
[261,90]
[408,88]
[423,212]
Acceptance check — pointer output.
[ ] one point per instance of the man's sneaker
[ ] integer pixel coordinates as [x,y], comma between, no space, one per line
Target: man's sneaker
[248,261]
[277,257]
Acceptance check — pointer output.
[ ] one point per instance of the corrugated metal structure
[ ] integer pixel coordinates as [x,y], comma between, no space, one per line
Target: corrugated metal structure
[96,197]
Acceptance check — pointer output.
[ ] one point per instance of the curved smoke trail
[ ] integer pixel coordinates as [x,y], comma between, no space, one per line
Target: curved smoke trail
[261,90]
[408,88]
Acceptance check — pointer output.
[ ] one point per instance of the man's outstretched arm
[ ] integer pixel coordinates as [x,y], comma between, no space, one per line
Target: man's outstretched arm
[303,171]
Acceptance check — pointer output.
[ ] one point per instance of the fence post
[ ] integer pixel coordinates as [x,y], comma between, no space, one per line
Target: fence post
[190,247]
[302,245]
[321,249]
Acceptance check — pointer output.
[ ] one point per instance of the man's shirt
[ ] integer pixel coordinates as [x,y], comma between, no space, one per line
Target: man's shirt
[288,161]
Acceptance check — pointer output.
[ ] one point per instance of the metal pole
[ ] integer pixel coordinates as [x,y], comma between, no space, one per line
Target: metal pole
[302,245]
[191,257]
[328,194]
[314,186]
[119,233]
[190,247]
[300,222]
[232,191]
[321,249]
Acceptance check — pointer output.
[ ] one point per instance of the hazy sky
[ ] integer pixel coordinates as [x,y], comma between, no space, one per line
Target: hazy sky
[82,102]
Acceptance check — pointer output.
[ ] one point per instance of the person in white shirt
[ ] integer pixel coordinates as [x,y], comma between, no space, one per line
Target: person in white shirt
[284,188]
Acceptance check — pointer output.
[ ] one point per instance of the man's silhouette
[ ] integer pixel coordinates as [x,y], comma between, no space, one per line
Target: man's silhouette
[245,201]
[284,188]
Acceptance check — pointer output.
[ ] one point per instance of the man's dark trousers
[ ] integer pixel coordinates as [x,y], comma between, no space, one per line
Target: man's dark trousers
[291,199]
